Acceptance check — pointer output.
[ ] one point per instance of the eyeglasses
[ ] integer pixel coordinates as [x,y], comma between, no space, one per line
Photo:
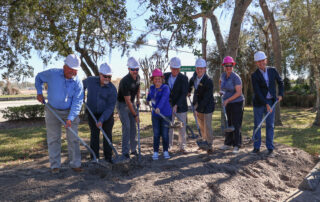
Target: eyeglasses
[228,65]
[107,76]
[134,69]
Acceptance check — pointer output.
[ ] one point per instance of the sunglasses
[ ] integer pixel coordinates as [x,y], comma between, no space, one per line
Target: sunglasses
[134,69]
[107,76]
[228,65]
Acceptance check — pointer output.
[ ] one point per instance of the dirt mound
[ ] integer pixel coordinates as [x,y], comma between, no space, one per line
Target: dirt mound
[196,176]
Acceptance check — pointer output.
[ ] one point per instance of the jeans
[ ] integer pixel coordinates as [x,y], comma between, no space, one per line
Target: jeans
[95,136]
[258,116]
[234,113]
[160,128]
[129,130]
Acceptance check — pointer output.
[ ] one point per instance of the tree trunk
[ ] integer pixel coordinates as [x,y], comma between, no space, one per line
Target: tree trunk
[317,84]
[204,38]
[276,46]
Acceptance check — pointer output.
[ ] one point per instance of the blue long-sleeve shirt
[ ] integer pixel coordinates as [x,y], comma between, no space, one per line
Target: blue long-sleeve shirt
[159,98]
[63,93]
[100,99]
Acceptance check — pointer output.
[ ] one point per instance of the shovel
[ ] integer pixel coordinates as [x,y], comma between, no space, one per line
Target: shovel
[193,136]
[260,124]
[228,128]
[117,159]
[95,160]
[138,124]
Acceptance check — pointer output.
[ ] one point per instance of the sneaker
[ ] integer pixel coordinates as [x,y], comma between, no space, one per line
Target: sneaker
[270,153]
[204,145]
[166,155]
[155,156]
[255,151]
[235,150]
[225,147]
[55,170]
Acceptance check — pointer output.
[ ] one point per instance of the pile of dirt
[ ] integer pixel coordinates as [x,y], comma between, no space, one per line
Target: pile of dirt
[196,176]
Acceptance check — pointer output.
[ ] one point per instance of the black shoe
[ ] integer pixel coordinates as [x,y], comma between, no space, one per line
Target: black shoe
[255,151]
[127,156]
[270,153]
[109,160]
[135,153]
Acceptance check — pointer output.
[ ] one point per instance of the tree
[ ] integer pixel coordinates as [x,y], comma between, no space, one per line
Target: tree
[90,28]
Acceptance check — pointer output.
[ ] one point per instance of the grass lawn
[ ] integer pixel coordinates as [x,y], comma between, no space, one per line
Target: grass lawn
[24,144]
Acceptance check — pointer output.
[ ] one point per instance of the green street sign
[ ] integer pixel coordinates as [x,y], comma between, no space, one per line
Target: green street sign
[187,68]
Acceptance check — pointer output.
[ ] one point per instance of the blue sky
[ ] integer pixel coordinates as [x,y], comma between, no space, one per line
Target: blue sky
[118,63]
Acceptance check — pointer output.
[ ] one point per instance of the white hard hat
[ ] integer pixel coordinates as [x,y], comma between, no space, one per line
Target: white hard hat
[260,55]
[105,69]
[133,63]
[175,62]
[201,63]
[73,61]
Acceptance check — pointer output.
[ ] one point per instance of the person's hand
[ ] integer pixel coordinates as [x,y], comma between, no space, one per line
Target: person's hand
[174,109]
[279,98]
[99,124]
[269,108]
[225,102]
[40,98]
[157,111]
[137,119]
[68,124]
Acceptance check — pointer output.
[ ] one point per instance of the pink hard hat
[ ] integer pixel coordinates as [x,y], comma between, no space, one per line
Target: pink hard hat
[228,59]
[156,72]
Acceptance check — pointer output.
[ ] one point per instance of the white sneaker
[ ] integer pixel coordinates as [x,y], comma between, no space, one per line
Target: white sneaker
[155,156]
[166,155]
[225,147]
[235,150]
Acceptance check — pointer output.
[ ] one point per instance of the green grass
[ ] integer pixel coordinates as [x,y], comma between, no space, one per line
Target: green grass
[25,144]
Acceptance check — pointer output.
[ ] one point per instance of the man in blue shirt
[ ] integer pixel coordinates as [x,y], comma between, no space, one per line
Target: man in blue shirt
[101,99]
[65,96]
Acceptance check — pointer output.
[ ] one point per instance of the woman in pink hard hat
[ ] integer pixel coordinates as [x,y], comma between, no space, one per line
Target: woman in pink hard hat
[231,90]
[159,94]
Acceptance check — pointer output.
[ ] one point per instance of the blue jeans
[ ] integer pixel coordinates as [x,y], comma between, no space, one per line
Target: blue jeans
[160,128]
[258,116]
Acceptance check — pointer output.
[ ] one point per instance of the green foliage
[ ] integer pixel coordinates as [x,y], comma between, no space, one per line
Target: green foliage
[90,28]
[23,112]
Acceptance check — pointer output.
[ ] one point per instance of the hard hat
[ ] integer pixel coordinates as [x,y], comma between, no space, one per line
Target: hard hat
[156,72]
[133,63]
[175,62]
[260,55]
[201,63]
[105,69]
[228,59]
[73,61]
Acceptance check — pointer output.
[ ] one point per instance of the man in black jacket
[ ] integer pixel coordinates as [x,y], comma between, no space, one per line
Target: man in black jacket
[203,102]
[263,82]
[178,84]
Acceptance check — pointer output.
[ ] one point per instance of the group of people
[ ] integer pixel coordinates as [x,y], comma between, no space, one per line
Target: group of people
[168,97]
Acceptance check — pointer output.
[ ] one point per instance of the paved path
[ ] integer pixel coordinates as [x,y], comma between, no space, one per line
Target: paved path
[4,104]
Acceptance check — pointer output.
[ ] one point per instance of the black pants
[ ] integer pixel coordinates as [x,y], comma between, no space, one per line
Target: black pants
[94,138]
[234,113]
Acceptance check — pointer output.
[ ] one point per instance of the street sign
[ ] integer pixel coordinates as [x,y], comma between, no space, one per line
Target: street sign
[187,68]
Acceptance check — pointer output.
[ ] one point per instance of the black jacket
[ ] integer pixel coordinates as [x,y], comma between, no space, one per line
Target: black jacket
[203,95]
[261,89]
[179,92]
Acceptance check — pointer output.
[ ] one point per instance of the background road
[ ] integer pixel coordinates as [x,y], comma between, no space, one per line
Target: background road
[4,104]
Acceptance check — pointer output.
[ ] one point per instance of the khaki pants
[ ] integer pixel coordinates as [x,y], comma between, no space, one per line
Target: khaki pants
[53,126]
[205,124]
[182,131]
